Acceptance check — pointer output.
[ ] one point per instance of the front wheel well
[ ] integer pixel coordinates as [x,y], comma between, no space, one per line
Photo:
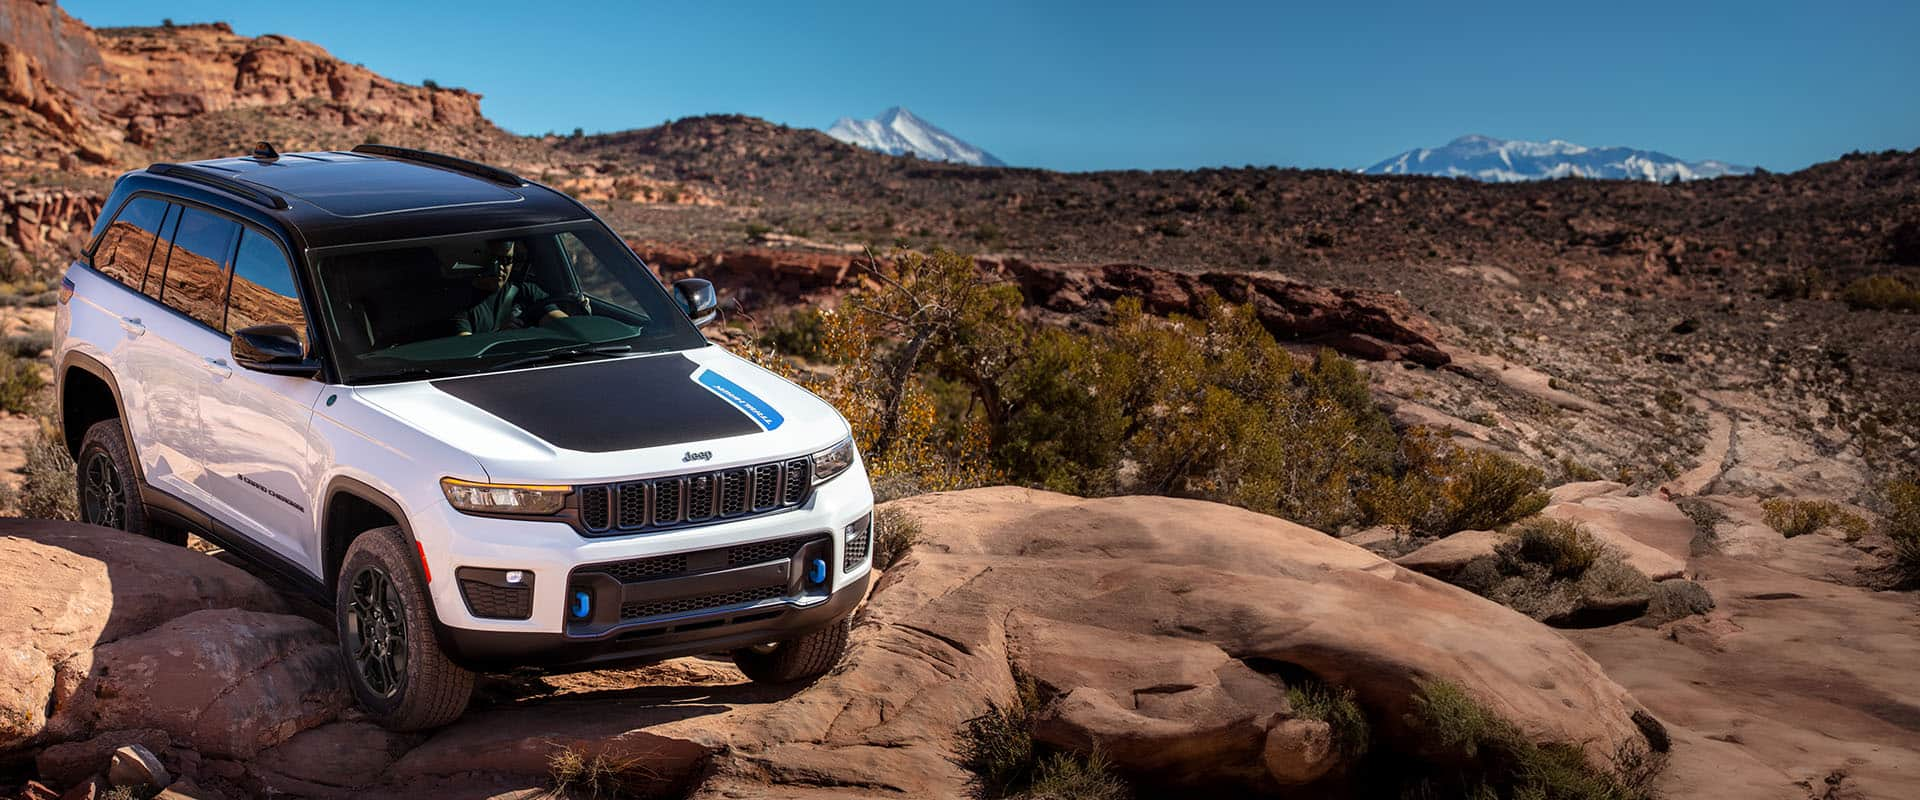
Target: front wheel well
[347,516]
[85,399]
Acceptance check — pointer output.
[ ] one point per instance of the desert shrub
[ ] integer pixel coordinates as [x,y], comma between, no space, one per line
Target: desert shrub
[796,333]
[1901,524]
[26,345]
[1314,700]
[1798,284]
[1801,517]
[1555,571]
[594,776]
[998,746]
[1439,488]
[1674,599]
[1482,755]
[20,383]
[47,490]
[895,533]
[1882,293]
[1070,776]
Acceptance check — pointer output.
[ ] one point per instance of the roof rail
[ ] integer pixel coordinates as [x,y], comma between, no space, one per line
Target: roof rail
[207,177]
[474,168]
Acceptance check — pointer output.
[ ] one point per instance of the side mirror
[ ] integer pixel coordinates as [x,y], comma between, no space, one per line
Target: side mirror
[698,299]
[274,349]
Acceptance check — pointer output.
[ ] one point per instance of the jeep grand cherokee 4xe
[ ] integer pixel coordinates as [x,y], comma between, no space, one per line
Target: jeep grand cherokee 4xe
[456,406]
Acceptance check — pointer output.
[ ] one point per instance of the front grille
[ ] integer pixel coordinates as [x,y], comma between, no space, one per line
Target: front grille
[680,500]
[762,552]
[690,604]
[497,602]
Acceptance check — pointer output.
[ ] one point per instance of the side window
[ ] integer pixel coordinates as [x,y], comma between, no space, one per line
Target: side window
[196,277]
[264,292]
[157,266]
[129,241]
[596,279]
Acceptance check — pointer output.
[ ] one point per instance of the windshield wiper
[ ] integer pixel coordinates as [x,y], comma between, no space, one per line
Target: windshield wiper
[410,373]
[564,353]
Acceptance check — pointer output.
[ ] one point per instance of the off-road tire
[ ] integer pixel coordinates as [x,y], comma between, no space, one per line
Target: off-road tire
[796,660]
[104,447]
[427,689]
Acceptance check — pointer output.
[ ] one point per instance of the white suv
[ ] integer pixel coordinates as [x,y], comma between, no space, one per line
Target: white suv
[455,406]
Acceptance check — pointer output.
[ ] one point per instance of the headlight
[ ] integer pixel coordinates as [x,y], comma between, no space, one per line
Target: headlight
[829,463]
[504,498]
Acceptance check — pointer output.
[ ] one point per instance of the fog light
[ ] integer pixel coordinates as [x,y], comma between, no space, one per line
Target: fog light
[582,604]
[817,571]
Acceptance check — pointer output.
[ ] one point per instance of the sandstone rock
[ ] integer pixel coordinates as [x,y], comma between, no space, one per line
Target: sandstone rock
[1650,532]
[1159,629]
[1299,751]
[638,737]
[135,766]
[336,759]
[1584,490]
[227,683]
[69,763]
[76,587]
[1444,557]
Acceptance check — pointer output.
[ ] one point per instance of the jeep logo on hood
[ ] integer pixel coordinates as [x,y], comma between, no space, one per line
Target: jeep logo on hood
[697,455]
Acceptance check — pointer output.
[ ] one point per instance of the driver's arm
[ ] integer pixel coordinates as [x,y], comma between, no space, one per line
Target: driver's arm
[538,298]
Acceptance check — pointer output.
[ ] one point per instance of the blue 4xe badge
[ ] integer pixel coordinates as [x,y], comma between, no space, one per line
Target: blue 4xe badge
[755,408]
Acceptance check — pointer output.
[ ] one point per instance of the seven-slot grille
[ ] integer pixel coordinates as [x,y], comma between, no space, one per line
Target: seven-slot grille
[681,500]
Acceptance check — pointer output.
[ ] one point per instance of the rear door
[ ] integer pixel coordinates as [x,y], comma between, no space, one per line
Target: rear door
[181,356]
[260,467]
[114,316]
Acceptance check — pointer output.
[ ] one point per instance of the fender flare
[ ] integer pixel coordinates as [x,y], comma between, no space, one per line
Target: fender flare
[75,359]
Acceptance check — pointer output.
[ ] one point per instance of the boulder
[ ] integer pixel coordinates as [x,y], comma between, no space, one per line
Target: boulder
[68,763]
[226,682]
[1162,631]
[1444,557]
[336,759]
[1651,533]
[1583,490]
[72,588]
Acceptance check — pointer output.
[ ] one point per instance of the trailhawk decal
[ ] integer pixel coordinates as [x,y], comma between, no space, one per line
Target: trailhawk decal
[755,408]
[617,404]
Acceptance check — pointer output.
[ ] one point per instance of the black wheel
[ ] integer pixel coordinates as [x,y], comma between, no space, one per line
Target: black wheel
[108,492]
[395,665]
[795,660]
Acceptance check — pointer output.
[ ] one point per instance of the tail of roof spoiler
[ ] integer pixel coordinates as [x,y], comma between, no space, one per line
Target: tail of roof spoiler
[207,177]
[474,168]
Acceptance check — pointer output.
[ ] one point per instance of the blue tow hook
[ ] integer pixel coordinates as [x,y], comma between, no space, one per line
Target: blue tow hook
[817,571]
[582,604]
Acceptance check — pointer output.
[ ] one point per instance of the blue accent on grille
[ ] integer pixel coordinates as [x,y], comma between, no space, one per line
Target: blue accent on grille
[755,408]
[817,571]
[582,604]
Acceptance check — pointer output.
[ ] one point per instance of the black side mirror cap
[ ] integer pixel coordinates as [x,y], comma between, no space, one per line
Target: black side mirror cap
[274,349]
[698,299]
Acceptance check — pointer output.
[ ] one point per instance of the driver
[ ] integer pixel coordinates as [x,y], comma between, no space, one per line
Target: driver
[509,303]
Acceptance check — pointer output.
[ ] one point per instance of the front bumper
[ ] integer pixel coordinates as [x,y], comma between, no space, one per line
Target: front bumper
[693,635]
[552,559]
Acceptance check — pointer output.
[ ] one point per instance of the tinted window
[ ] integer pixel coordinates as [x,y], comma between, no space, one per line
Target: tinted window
[128,242]
[596,278]
[157,266]
[196,279]
[263,289]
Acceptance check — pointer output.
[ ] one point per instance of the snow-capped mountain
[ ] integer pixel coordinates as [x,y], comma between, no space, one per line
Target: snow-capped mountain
[1502,160]
[897,132]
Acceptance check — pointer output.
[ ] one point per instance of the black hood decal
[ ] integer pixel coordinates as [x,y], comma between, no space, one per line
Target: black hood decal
[603,406]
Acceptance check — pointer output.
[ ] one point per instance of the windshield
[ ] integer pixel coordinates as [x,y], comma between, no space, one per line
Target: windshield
[459,305]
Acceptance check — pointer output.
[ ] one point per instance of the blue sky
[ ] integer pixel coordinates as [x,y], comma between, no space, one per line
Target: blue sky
[1104,85]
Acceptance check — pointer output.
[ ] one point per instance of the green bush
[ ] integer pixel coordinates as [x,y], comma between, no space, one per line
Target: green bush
[1882,293]
[1437,488]
[1069,776]
[1314,700]
[48,489]
[20,384]
[1801,517]
[895,533]
[1553,570]
[1485,756]
[1563,548]
[1901,524]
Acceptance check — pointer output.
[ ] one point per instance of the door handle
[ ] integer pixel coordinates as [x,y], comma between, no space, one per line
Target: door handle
[132,326]
[218,366]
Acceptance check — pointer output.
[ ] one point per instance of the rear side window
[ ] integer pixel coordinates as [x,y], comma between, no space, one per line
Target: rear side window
[263,292]
[129,242]
[196,277]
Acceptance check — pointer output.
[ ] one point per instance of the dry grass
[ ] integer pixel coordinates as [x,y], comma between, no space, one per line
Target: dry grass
[48,490]
[578,775]
[896,532]
[1801,517]
[1492,758]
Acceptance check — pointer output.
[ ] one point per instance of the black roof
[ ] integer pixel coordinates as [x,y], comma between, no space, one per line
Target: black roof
[339,198]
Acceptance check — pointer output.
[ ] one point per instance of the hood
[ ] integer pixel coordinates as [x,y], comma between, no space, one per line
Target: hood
[614,419]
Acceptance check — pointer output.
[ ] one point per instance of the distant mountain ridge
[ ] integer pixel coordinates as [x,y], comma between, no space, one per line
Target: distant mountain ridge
[1505,160]
[898,132]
